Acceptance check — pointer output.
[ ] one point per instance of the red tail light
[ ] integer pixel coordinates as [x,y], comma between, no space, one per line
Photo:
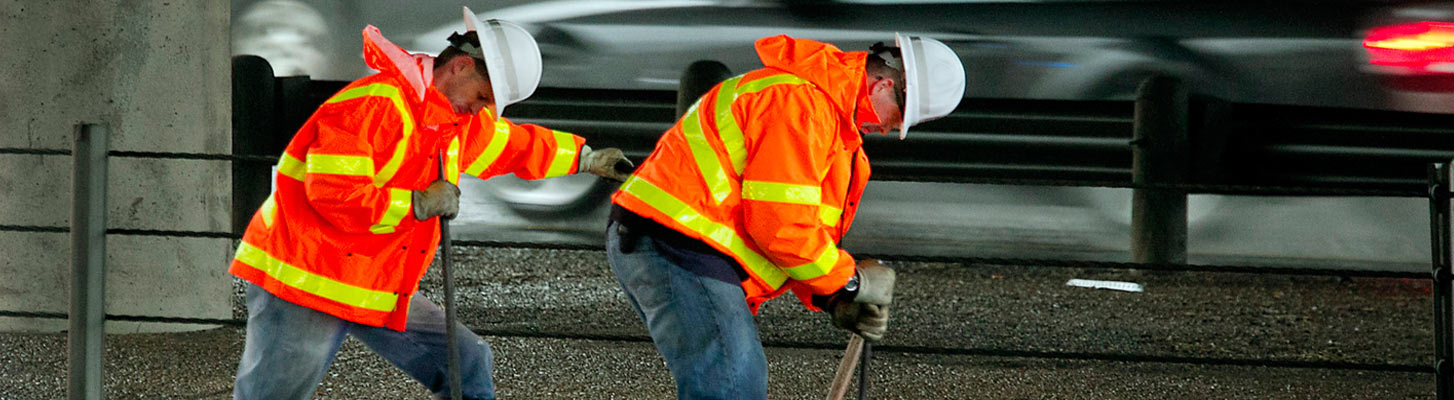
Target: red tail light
[1416,48]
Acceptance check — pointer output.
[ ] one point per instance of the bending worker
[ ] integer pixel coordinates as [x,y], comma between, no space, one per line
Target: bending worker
[340,246]
[749,193]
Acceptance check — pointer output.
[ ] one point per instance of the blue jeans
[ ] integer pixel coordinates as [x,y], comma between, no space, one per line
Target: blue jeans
[289,348]
[700,325]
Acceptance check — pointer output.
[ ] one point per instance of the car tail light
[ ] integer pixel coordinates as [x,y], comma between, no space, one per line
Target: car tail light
[1415,48]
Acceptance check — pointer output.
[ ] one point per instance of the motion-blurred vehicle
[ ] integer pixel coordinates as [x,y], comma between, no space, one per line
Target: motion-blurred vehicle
[1285,52]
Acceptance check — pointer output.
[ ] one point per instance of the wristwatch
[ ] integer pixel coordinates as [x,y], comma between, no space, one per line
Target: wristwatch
[852,285]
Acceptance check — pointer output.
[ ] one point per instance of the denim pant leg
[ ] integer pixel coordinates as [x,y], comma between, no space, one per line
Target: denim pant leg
[422,351]
[287,350]
[701,326]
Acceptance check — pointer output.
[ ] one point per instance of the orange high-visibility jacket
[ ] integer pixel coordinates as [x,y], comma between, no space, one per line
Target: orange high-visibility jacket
[338,234]
[768,168]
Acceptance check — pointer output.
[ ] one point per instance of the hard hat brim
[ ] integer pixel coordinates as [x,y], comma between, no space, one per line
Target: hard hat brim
[911,83]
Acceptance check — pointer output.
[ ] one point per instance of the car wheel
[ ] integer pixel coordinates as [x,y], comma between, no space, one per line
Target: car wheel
[546,198]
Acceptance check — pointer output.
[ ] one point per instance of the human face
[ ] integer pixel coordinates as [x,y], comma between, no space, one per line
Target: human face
[881,94]
[468,92]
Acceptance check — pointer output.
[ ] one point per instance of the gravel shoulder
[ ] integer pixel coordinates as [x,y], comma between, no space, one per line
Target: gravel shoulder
[974,309]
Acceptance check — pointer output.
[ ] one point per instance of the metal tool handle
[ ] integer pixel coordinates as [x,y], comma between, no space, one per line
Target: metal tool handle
[449,315]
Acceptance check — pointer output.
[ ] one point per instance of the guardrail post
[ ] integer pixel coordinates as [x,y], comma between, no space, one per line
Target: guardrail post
[696,80]
[1160,152]
[1443,272]
[88,261]
[254,132]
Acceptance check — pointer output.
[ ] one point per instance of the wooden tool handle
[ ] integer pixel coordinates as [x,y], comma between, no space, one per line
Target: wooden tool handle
[845,368]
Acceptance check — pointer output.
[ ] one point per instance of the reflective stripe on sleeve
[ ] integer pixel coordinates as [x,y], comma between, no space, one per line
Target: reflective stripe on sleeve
[565,155]
[781,192]
[315,284]
[292,167]
[270,210]
[340,165]
[829,214]
[401,202]
[816,268]
[692,219]
[492,152]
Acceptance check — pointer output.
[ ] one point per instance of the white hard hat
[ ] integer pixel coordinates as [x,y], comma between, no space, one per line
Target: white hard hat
[511,57]
[934,79]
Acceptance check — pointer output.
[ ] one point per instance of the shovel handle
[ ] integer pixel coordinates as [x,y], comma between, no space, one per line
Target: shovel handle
[845,368]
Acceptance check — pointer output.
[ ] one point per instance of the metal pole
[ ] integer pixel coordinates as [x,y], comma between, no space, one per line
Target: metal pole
[88,261]
[1439,237]
[446,248]
[1159,154]
[863,370]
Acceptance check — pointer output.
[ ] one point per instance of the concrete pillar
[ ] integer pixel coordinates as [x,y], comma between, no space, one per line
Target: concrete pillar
[157,73]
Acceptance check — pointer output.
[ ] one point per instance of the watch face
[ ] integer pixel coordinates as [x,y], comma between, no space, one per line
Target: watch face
[852,284]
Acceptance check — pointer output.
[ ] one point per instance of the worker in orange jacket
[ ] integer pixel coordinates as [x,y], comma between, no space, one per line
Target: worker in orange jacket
[341,244]
[748,195]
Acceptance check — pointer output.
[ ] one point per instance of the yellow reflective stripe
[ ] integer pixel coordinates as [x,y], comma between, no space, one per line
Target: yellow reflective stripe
[829,214]
[401,202]
[451,161]
[269,210]
[727,128]
[392,93]
[292,167]
[565,155]
[816,268]
[781,192]
[723,235]
[492,151]
[762,83]
[706,159]
[318,285]
[340,165]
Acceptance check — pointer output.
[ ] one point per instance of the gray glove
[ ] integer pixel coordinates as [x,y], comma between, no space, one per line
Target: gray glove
[440,198]
[604,162]
[867,313]
[867,320]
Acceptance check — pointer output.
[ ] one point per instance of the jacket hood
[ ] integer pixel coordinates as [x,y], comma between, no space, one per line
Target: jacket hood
[416,70]
[836,72]
[386,57]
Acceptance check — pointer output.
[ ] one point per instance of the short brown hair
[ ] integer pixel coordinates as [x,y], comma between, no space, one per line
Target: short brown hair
[452,51]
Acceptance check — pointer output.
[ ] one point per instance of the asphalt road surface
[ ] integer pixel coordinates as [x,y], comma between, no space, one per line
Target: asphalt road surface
[959,331]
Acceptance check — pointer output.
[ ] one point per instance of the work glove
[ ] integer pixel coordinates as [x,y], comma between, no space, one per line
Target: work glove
[866,310]
[440,198]
[608,163]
